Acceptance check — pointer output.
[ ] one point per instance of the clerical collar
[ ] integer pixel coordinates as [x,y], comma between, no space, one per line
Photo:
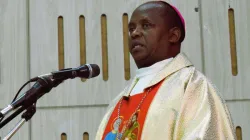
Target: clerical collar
[152,69]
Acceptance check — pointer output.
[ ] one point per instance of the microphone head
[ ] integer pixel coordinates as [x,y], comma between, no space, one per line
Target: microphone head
[95,70]
[88,71]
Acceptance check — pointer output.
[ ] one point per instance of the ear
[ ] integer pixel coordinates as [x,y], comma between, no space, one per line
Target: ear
[174,35]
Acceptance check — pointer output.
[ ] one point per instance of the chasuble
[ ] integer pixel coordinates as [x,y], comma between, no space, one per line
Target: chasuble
[186,106]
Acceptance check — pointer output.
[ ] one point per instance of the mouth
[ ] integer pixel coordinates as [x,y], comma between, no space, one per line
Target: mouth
[136,45]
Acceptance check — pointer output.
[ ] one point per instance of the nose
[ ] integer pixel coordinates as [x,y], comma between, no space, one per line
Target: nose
[136,33]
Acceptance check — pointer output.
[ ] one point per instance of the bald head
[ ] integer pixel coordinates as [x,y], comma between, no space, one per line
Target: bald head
[168,13]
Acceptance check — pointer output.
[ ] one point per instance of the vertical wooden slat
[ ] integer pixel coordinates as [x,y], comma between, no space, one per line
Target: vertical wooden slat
[104,47]
[232,42]
[63,136]
[60,43]
[238,133]
[82,41]
[85,136]
[125,47]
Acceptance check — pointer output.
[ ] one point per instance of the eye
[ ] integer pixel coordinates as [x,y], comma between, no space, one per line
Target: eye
[131,29]
[146,25]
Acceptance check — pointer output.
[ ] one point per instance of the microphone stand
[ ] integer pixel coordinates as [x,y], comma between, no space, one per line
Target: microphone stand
[12,116]
[29,103]
[26,116]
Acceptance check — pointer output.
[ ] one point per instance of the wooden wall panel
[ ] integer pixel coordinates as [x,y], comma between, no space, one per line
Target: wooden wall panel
[207,44]
[192,43]
[44,42]
[14,59]
[217,34]
[13,49]
[65,107]
[240,114]
[51,123]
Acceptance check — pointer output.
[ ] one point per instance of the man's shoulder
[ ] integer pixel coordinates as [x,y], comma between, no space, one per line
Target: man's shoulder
[198,77]
[194,75]
[202,76]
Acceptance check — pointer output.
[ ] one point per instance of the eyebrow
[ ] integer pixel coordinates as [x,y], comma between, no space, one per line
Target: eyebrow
[143,19]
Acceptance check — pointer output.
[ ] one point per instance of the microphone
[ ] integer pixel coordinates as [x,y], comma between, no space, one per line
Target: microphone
[85,71]
[44,83]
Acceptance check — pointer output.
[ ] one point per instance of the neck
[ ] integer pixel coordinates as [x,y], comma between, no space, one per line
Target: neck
[152,63]
[173,51]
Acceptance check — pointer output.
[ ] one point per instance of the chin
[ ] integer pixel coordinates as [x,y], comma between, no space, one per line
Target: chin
[140,62]
[139,58]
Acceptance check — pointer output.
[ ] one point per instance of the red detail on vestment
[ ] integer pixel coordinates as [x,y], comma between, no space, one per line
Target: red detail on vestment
[128,108]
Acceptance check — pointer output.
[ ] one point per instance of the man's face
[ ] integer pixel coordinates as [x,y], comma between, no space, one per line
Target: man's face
[148,34]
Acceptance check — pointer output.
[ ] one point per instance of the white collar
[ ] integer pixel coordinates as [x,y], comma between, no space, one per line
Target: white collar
[152,69]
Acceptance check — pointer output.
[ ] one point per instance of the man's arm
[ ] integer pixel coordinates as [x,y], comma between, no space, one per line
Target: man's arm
[203,114]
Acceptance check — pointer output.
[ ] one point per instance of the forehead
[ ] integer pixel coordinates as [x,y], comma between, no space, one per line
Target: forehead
[150,11]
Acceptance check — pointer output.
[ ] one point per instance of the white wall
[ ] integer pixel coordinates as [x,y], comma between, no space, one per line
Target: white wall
[29,47]
[14,63]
